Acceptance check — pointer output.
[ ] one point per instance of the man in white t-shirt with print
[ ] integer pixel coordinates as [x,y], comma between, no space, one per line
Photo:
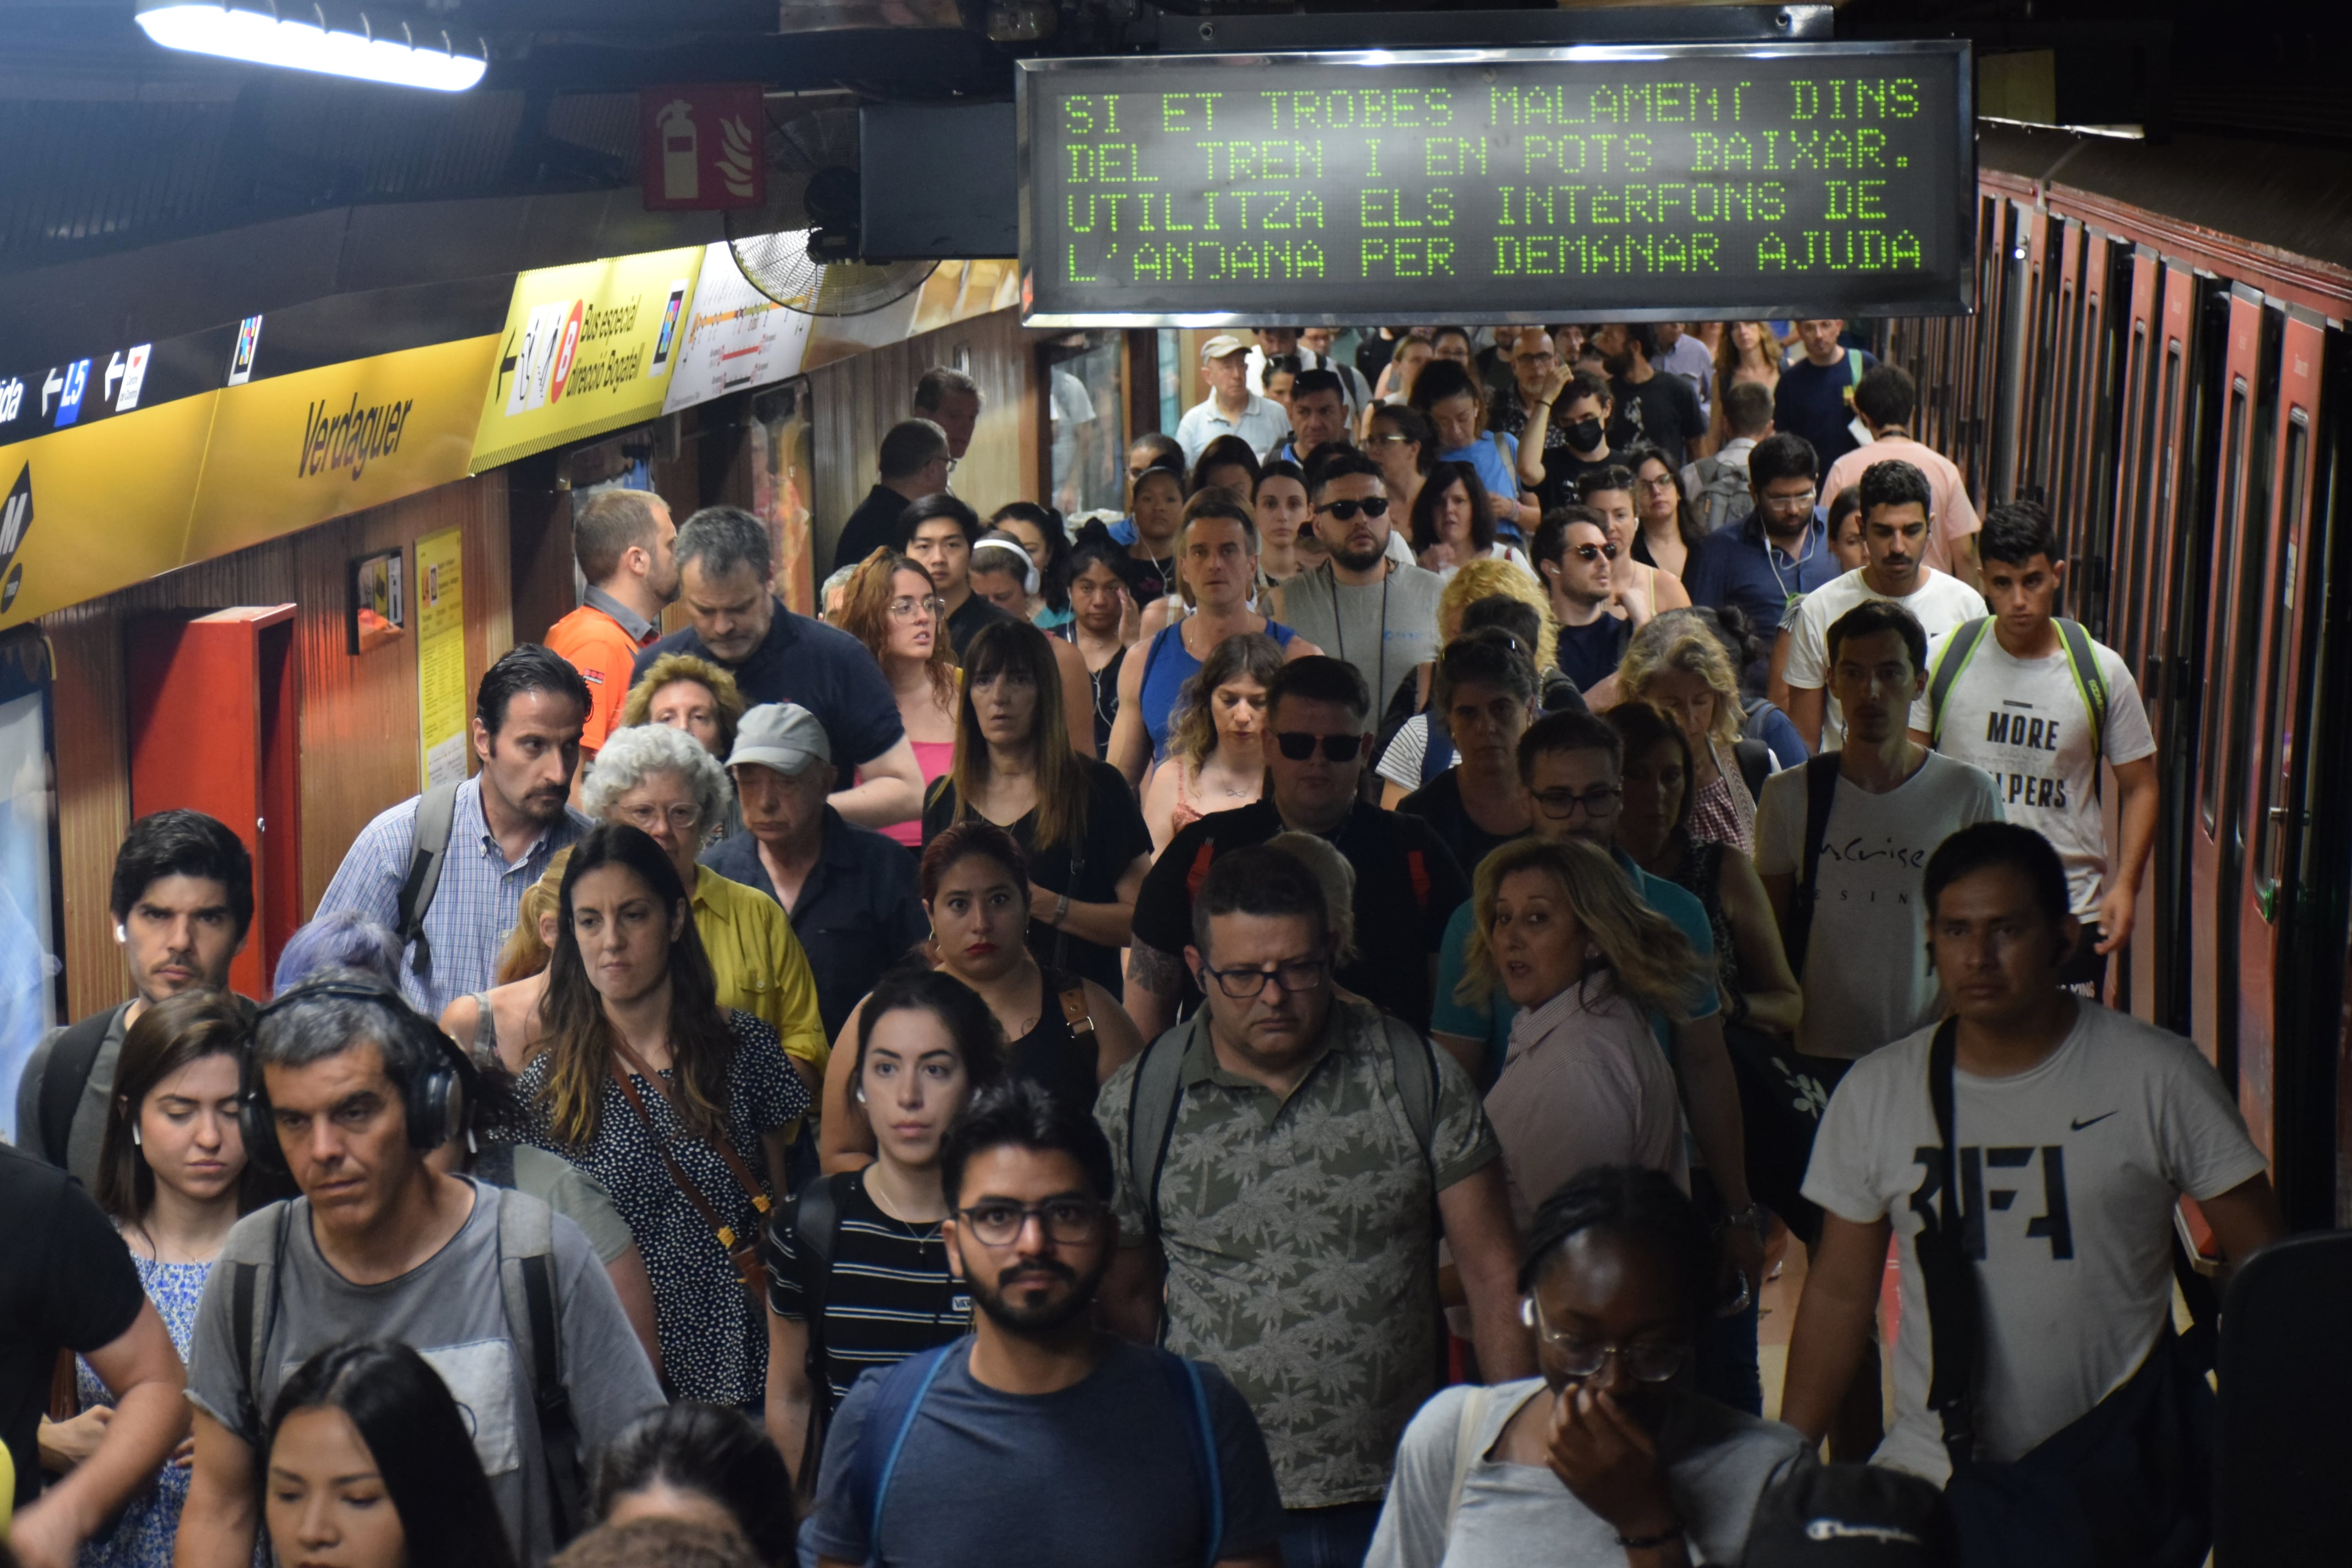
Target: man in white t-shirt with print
[1897,504]
[2077,1128]
[2009,698]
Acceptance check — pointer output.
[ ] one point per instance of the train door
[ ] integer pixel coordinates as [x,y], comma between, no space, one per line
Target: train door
[2062,415]
[2089,492]
[2007,347]
[2272,819]
[2233,642]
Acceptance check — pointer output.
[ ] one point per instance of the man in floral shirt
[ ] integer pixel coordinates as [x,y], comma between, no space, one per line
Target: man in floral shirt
[1312,1148]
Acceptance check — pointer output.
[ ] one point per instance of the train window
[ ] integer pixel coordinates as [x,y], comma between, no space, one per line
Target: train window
[1085,404]
[2233,525]
[2269,834]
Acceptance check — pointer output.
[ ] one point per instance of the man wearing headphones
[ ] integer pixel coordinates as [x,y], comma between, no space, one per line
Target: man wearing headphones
[351,1089]
[181,902]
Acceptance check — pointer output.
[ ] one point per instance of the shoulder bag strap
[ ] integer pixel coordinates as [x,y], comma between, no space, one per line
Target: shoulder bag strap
[1192,1396]
[1466,1449]
[1075,1013]
[436,811]
[1078,873]
[526,1282]
[1945,673]
[71,1061]
[1820,798]
[686,1185]
[815,1214]
[1947,1266]
[898,1401]
[2082,659]
[1152,1116]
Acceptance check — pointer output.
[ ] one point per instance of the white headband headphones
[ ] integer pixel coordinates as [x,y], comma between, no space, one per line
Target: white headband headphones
[1028,567]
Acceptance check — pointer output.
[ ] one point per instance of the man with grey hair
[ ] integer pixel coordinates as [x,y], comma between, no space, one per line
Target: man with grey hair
[913,463]
[725,565]
[663,783]
[626,545]
[353,1094]
[951,400]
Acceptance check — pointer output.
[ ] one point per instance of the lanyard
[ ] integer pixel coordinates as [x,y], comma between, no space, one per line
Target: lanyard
[1339,629]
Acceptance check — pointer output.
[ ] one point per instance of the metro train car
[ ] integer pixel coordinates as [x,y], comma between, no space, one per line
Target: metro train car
[2158,356]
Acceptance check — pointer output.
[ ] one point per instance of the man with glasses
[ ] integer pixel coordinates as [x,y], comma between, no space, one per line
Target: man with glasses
[1040,1438]
[1286,1160]
[1362,605]
[1764,566]
[1318,718]
[1577,560]
[1537,380]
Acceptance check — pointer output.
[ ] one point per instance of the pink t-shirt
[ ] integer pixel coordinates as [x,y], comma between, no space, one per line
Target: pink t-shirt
[935,757]
[1955,518]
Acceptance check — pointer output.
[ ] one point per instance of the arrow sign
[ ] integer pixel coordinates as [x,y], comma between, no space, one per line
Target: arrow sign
[51,386]
[113,374]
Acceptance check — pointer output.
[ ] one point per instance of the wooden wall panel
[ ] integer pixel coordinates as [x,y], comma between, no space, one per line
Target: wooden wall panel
[855,400]
[359,720]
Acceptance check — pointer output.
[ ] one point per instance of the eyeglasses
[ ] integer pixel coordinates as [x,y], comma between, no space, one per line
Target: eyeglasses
[1297,975]
[1069,1221]
[1297,745]
[907,609]
[1585,1358]
[682,818]
[1560,804]
[1803,502]
[1595,551]
[1345,510]
[1660,483]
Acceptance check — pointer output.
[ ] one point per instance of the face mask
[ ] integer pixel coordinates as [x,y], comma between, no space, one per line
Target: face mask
[1585,435]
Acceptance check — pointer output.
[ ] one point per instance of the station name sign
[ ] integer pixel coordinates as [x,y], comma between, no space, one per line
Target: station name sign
[1699,181]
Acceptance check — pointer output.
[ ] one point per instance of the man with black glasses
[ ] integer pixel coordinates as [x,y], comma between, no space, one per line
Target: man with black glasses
[1287,1158]
[1378,613]
[1318,715]
[1039,1438]
[1577,563]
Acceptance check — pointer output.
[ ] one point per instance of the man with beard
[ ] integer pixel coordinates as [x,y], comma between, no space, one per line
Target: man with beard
[1359,606]
[1662,405]
[1040,1438]
[504,824]
[1764,564]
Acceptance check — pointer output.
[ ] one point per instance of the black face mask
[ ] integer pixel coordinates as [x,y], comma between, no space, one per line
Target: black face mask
[1585,435]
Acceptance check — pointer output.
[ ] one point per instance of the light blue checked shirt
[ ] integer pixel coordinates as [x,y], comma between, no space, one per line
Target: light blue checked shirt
[473,910]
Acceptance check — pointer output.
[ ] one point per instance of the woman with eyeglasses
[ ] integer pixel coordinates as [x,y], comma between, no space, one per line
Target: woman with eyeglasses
[1602,1461]
[654,781]
[1218,559]
[874,1287]
[892,606]
[678,1104]
[1669,529]
[1216,756]
[1638,588]
[1075,819]
[1451,525]
[1400,440]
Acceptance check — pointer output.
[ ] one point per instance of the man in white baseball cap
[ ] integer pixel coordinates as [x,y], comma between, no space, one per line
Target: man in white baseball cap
[851,893]
[1230,408]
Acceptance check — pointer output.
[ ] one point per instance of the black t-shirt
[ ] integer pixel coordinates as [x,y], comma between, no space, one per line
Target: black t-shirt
[870,527]
[1439,804]
[1408,885]
[1564,471]
[889,1295]
[1590,655]
[822,667]
[1114,837]
[1670,418]
[66,1282]
[1817,403]
[968,619]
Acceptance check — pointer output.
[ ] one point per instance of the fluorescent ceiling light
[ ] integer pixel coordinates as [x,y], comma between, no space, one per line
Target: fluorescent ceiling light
[370,45]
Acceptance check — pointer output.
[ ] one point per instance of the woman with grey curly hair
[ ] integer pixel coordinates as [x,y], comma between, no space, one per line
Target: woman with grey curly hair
[661,782]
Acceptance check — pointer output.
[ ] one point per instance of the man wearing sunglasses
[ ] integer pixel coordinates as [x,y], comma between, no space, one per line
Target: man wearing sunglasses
[1578,561]
[1317,716]
[1362,605]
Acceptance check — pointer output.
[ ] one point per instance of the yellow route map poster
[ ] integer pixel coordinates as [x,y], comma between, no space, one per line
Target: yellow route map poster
[441,655]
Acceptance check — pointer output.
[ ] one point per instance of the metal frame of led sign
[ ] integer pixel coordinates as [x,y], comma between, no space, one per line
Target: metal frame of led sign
[331,39]
[1035,74]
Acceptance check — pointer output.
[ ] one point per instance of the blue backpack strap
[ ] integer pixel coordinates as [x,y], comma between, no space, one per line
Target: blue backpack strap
[898,1401]
[1192,1396]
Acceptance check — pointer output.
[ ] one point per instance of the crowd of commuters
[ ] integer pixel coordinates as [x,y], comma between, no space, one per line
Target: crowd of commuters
[1281,1027]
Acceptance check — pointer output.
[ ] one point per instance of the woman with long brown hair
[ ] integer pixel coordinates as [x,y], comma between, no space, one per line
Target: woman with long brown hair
[1216,738]
[891,606]
[679,1107]
[1073,817]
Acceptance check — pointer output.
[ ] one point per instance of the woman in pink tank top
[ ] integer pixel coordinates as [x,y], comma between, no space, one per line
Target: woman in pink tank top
[891,606]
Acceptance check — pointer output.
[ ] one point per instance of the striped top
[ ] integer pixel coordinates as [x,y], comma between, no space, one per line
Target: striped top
[889,1293]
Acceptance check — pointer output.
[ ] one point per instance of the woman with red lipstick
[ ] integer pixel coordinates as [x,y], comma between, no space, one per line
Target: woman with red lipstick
[1065,1031]
[875,1287]
[173,1176]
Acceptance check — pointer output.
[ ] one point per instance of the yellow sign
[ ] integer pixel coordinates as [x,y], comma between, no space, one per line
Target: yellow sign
[441,655]
[84,512]
[297,450]
[587,348]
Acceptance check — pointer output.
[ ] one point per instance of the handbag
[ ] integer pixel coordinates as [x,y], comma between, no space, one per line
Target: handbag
[2127,1484]
[742,1250]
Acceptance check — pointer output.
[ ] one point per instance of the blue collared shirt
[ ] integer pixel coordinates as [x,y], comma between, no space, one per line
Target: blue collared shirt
[1738,565]
[474,908]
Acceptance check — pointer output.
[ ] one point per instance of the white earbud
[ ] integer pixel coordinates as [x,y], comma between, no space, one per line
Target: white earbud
[119,934]
[1528,1311]
[135,1140]
[860,1093]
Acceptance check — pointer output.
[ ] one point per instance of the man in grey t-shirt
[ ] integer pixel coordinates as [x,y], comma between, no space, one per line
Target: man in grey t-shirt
[380,1246]
[1379,615]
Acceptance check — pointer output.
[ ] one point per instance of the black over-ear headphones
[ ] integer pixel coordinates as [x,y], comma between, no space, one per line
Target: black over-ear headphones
[435,1098]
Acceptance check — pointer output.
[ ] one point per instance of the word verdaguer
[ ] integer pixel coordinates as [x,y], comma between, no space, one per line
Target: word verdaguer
[1824,179]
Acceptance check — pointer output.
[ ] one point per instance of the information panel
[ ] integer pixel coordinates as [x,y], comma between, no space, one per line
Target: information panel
[1690,181]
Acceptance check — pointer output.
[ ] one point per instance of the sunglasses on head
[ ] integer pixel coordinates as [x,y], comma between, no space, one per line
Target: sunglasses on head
[1297,745]
[1345,510]
[1595,551]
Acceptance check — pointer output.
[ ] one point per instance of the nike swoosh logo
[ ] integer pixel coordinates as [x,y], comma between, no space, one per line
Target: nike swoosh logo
[2095,1120]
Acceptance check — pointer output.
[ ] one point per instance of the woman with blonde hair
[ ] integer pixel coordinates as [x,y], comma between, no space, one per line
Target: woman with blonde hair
[892,607]
[1683,670]
[689,693]
[1524,611]
[1217,760]
[1558,926]
[504,1021]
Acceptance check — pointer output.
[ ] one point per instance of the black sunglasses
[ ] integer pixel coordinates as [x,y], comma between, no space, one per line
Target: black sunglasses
[1345,510]
[1297,745]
